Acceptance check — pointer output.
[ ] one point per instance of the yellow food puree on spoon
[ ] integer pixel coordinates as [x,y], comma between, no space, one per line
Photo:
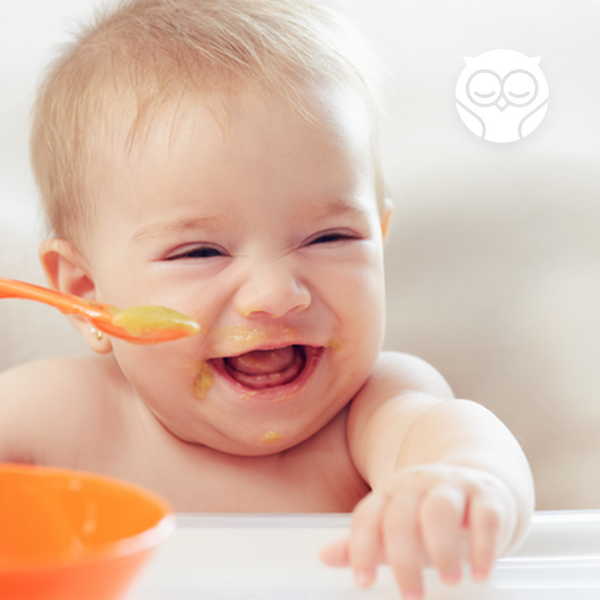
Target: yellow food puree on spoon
[154,322]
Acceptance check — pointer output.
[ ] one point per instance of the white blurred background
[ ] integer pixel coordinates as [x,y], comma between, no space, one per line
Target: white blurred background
[493,259]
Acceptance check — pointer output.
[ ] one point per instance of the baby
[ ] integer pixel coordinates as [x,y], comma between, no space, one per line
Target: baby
[219,157]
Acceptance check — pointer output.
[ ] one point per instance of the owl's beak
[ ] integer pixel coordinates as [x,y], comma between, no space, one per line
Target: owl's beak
[501,104]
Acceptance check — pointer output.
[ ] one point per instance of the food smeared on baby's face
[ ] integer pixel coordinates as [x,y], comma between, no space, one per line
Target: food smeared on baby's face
[247,337]
[202,382]
[271,437]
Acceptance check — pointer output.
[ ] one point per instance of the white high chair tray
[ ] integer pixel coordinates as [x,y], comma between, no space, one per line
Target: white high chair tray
[275,557]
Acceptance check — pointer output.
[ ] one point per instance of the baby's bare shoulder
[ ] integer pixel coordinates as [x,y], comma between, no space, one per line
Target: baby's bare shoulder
[40,384]
[397,376]
[397,373]
[45,405]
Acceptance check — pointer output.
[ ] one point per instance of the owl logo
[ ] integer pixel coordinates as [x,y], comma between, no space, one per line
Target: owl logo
[502,95]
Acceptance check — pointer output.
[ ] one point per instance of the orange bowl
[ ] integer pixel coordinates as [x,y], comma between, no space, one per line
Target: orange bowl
[73,535]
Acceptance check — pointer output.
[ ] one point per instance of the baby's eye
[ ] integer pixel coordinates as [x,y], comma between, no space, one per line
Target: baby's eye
[197,252]
[331,236]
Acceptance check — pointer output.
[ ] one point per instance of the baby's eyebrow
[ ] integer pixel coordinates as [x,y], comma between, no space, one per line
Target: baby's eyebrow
[317,212]
[334,208]
[159,229]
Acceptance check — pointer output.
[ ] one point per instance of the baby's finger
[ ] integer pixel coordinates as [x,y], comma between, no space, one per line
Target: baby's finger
[441,517]
[365,537]
[336,554]
[484,523]
[402,545]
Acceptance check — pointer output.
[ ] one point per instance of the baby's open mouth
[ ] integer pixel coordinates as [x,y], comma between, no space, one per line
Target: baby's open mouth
[261,369]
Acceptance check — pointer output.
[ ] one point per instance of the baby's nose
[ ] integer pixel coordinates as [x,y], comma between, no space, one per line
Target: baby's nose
[271,289]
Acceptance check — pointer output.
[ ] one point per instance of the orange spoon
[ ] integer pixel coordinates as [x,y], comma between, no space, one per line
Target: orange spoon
[138,324]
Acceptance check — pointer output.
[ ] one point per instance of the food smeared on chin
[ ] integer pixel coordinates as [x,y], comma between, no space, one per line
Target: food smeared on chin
[202,382]
[271,437]
[262,369]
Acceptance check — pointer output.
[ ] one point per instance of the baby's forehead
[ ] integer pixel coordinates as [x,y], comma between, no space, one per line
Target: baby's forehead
[327,116]
[328,142]
[342,111]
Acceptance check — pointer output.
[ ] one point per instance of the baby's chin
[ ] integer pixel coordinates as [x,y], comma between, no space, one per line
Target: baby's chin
[269,385]
[256,403]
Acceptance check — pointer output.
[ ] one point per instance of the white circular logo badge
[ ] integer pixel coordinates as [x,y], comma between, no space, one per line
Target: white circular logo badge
[502,95]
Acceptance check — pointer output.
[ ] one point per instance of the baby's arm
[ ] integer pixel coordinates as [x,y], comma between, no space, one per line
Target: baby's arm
[448,478]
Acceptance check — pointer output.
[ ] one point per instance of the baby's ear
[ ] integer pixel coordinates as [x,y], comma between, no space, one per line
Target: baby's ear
[388,208]
[67,271]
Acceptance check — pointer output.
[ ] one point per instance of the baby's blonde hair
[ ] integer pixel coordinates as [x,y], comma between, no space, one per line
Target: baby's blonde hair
[156,51]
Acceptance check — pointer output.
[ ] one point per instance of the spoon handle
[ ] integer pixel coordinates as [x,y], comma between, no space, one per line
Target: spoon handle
[66,303]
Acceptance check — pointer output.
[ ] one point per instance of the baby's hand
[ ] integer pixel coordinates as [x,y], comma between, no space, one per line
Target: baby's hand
[436,514]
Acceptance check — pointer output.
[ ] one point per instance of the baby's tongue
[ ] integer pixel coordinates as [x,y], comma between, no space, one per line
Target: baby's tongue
[266,368]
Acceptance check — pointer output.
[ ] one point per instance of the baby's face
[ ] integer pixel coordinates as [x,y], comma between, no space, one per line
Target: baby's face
[263,227]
